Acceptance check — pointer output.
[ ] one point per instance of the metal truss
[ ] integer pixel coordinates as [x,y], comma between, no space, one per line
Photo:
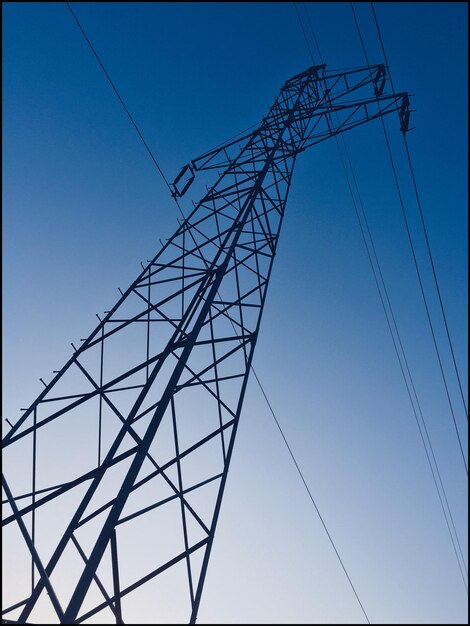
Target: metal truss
[116,471]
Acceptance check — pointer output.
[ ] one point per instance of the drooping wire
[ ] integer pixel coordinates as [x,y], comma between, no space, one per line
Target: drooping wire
[382,44]
[277,421]
[119,97]
[424,423]
[416,265]
[310,495]
[378,274]
[303,30]
[419,405]
[152,156]
[160,171]
[441,304]
[313,33]
[282,432]
[405,360]
[360,34]
[428,245]
[421,286]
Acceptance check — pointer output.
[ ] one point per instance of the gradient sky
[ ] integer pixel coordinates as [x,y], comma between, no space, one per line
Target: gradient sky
[83,205]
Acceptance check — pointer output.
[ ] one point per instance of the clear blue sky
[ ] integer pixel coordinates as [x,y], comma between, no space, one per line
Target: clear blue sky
[83,205]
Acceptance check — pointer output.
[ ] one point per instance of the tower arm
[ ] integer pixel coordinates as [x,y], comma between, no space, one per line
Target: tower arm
[329,110]
[353,114]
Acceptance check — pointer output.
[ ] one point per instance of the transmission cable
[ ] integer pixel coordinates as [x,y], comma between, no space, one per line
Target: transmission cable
[252,368]
[272,412]
[310,495]
[428,246]
[303,30]
[313,34]
[360,34]
[417,399]
[415,261]
[434,273]
[405,360]
[426,306]
[119,97]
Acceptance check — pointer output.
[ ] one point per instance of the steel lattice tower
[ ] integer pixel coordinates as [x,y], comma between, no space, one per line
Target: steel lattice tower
[139,425]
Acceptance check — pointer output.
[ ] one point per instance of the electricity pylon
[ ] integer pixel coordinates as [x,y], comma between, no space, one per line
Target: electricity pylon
[116,471]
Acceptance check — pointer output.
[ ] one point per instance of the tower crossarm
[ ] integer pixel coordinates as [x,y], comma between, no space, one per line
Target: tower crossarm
[334,102]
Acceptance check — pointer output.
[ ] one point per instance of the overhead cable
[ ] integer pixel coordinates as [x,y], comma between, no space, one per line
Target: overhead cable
[428,245]
[372,254]
[416,265]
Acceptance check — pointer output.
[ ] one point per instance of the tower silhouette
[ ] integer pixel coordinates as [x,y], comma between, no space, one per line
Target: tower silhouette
[140,423]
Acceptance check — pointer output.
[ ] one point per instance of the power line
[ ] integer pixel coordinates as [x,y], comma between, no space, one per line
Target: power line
[282,432]
[360,35]
[259,383]
[434,273]
[119,96]
[303,30]
[415,261]
[428,246]
[310,495]
[405,360]
[415,393]
[426,306]
[382,45]
[313,33]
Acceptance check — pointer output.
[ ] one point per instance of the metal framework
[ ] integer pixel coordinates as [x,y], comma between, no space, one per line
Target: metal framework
[116,471]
